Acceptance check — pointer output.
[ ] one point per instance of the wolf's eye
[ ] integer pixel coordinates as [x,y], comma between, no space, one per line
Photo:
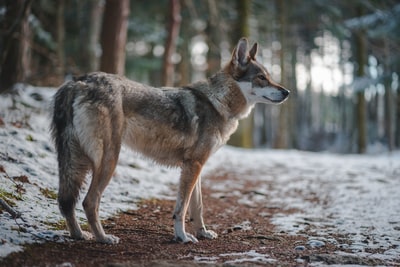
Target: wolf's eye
[262,77]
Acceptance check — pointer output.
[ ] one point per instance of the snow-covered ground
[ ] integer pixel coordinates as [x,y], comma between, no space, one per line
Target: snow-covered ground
[355,196]
[351,195]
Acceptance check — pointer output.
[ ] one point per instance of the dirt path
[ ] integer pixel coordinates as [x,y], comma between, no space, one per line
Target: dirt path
[246,238]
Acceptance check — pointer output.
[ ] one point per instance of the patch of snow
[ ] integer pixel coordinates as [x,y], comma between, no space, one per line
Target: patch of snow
[206,260]
[249,256]
[236,258]
[314,243]
[244,226]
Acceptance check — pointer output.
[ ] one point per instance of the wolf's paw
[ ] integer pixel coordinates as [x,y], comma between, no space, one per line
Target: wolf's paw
[108,239]
[81,235]
[86,235]
[208,234]
[186,238]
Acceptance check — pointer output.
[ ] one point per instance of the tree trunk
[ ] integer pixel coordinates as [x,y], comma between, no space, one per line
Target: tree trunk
[184,66]
[343,105]
[389,133]
[361,103]
[294,117]
[388,115]
[243,137]
[15,58]
[213,39]
[283,134]
[171,42]
[97,8]
[60,38]
[397,131]
[113,36]
[361,123]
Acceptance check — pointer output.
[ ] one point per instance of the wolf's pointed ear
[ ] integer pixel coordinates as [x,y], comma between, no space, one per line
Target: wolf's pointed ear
[239,55]
[253,51]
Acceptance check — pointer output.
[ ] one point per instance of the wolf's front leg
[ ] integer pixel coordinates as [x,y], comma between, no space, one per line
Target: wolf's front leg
[190,173]
[196,213]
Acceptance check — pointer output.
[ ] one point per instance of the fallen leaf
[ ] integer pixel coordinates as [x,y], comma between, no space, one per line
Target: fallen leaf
[21,178]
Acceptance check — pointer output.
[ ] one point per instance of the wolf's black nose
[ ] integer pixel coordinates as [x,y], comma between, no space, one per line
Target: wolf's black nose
[285,92]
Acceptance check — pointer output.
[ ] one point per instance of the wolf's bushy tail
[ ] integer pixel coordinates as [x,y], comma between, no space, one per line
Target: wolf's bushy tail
[62,129]
[62,114]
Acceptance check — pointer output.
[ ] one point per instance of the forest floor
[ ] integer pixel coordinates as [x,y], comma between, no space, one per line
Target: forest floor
[146,239]
[269,207]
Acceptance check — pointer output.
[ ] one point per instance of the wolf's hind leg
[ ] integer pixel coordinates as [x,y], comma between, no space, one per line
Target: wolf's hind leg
[101,177]
[196,213]
[72,172]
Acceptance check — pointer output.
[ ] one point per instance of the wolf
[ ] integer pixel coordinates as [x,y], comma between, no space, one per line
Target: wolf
[93,115]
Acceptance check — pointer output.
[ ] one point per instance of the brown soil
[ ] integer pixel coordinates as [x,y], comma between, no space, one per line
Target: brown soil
[146,240]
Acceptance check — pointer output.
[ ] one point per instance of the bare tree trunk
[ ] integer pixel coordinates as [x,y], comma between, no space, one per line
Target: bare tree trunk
[389,133]
[171,41]
[294,117]
[113,36]
[361,103]
[361,123]
[15,58]
[308,103]
[213,39]
[343,105]
[397,131]
[243,137]
[283,134]
[60,38]
[184,66]
[97,8]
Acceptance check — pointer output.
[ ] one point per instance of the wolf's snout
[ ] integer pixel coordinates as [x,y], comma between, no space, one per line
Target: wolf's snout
[285,92]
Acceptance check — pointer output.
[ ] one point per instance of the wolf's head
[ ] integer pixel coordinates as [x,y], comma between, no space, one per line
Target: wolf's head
[252,77]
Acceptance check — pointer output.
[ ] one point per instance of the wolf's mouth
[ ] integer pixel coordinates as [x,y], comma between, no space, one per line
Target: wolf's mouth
[272,100]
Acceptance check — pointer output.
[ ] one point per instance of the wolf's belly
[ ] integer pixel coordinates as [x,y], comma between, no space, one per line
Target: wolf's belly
[159,142]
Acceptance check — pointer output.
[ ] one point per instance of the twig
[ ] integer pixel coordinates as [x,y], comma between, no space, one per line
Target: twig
[14,214]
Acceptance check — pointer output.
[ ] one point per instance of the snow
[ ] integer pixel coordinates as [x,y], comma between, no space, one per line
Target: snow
[237,258]
[353,195]
[356,196]
[249,256]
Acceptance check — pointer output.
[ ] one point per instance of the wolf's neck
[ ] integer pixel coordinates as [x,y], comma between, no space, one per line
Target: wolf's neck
[226,96]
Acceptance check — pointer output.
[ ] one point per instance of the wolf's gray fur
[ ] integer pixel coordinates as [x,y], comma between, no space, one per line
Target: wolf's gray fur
[94,114]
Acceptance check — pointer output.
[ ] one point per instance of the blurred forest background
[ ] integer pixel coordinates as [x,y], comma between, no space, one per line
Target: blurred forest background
[340,59]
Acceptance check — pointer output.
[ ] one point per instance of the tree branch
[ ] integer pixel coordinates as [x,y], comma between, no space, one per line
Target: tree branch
[14,214]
